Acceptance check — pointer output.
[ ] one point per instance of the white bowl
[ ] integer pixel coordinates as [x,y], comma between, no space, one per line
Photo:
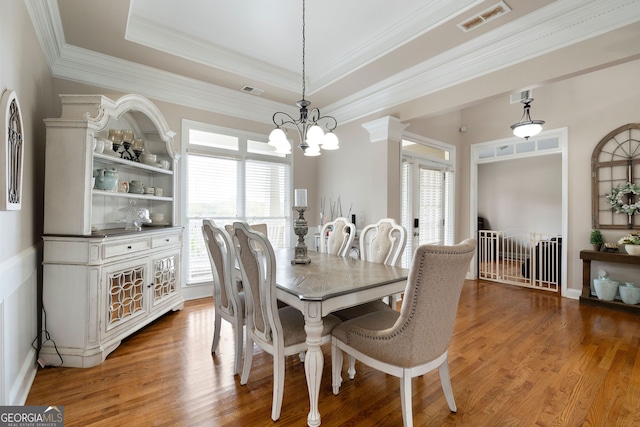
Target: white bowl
[148,158]
[606,289]
[159,217]
[630,294]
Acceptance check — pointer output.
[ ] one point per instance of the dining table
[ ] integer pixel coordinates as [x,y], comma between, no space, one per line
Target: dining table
[327,284]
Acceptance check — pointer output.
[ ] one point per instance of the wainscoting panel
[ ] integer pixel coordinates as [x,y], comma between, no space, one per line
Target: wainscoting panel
[18,324]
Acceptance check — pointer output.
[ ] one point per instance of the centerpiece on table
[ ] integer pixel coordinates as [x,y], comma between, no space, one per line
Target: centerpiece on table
[631,243]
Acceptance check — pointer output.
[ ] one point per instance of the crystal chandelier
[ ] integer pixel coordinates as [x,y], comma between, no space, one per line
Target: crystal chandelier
[526,127]
[309,125]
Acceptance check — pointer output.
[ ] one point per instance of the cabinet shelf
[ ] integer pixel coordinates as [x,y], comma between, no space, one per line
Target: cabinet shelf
[105,158]
[131,195]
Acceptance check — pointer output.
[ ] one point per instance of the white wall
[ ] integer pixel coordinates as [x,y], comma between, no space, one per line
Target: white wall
[522,194]
[24,70]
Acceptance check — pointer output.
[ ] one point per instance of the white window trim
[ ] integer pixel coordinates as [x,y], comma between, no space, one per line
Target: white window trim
[191,291]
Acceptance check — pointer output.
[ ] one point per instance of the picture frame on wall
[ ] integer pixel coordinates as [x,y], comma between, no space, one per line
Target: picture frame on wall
[11,152]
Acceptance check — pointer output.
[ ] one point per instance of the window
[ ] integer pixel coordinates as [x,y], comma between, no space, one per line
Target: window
[232,176]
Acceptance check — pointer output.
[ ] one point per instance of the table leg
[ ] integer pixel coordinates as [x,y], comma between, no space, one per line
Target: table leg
[314,360]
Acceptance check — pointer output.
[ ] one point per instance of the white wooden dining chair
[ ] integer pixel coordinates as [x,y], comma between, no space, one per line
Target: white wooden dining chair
[414,341]
[278,331]
[383,242]
[228,299]
[336,237]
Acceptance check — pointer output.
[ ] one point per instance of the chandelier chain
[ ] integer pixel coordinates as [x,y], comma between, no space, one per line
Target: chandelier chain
[304,85]
[309,120]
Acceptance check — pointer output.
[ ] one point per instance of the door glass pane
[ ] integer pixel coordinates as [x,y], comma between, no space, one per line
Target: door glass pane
[431,206]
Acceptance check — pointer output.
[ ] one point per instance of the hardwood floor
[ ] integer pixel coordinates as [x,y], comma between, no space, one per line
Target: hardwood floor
[518,358]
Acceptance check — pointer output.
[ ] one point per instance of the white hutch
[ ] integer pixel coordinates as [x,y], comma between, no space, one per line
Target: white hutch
[102,282]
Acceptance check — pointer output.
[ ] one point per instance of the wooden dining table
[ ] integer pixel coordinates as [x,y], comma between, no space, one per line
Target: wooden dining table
[327,284]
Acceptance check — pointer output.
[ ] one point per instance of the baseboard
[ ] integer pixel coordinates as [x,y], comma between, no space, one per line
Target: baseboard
[573,293]
[27,375]
[191,292]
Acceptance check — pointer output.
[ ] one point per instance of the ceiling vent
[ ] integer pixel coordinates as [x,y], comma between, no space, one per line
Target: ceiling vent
[252,90]
[485,16]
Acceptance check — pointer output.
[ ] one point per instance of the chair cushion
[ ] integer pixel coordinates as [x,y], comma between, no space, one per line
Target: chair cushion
[361,310]
[375,321]
[292,321]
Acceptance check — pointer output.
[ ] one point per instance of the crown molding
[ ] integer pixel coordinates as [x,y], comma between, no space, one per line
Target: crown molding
[386,128]
[95,69]
[179,44]
[431,15]
[557,25]
[84,66]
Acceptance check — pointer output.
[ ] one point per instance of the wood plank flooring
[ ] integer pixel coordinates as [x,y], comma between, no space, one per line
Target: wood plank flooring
[519,357]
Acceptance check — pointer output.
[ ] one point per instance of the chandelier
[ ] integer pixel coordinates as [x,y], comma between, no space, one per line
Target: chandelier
[526,127]
[309,125]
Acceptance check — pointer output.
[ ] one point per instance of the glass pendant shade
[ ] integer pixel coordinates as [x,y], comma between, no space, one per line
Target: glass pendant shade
[277,137]
[330,141]
[527,129]
[315,135]
[313,149]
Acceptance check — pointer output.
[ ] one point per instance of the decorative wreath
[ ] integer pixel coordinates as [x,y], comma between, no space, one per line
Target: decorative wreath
[619,199]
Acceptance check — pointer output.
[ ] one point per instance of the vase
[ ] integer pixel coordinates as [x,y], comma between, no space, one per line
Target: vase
[606,289]
[632,249]
[629,294]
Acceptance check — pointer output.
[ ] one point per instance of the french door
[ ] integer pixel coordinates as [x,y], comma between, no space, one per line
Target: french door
[427,198]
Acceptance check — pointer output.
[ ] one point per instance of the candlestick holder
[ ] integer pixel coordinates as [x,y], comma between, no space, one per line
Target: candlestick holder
[300,228]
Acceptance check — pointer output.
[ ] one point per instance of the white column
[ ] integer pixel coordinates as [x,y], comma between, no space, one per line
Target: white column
[388,130]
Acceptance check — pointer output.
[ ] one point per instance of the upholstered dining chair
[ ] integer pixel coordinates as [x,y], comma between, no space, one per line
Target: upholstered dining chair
[228,299]
[336,237]
[415,340]
[262,228]
[278,331]
[383,243]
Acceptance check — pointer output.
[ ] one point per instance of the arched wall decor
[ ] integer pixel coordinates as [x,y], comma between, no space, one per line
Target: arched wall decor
[615,179]
[11,153]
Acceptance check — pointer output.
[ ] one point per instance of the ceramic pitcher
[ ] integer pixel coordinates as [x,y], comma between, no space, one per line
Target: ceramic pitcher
[106,179]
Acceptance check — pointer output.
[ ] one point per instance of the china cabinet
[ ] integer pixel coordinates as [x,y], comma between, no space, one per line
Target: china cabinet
[103,278]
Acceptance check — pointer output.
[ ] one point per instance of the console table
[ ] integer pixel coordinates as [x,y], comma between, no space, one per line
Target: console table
[586,297]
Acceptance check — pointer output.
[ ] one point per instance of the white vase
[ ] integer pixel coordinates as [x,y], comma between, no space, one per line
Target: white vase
[632,249]
[606,289]
[630,294]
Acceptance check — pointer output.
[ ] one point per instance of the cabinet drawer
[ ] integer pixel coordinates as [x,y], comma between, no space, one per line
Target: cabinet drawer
[160,241]
[125,248]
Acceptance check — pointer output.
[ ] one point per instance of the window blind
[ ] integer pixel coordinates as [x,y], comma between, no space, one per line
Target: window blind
[233,186]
